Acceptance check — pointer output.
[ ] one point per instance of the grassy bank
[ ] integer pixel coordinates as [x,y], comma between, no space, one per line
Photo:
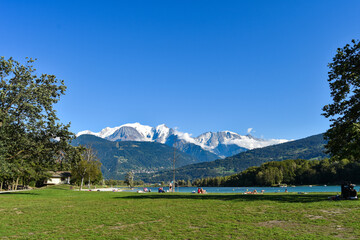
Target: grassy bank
[58,213]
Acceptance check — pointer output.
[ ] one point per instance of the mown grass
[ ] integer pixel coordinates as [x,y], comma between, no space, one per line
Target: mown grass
[59,213]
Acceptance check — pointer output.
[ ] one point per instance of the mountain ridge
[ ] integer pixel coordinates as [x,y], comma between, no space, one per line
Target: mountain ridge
[221,144]
[311,147]
[118,158]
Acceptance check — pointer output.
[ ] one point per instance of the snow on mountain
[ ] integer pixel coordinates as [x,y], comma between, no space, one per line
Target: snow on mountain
[103,133]
[186,137]
[161,133]
[144,130]
[212,140]
[209,141]
[86,132]
[126,133]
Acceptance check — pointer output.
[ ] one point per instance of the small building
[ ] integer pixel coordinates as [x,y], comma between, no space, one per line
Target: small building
[58,177]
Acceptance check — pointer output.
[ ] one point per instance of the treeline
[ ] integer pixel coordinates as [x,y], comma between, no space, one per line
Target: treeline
[291,172]
[84,169]
[115,182]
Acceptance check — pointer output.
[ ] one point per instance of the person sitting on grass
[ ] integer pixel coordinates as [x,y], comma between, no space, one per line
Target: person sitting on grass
[352,192]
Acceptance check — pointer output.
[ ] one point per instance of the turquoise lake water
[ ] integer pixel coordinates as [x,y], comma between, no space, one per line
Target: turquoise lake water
[296,189]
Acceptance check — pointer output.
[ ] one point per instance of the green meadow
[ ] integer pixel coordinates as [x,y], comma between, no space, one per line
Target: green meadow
[60,213]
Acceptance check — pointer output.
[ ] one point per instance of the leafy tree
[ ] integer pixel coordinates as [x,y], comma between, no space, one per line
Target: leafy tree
[94,174]
[87,166]
[30,132]
[188,183]
[344,112]
[129,178]
[181,183]
[5,172]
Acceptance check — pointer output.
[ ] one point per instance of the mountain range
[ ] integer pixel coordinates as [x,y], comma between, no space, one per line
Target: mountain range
[153,162]
[310,148]
[206,147]
[118,158]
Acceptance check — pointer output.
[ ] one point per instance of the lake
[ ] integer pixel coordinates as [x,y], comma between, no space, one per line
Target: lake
[302,189]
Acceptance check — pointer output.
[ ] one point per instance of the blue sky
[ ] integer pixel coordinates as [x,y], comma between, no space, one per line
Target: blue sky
[196,65]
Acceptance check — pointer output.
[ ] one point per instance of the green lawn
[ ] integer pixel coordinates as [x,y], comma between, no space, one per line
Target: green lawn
[59,213]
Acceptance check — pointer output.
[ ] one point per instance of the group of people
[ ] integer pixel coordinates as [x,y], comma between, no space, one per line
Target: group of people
[200,190]
[254,192]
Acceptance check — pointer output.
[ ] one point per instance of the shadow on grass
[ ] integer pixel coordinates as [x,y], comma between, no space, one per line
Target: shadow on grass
[306,198]
[18,193]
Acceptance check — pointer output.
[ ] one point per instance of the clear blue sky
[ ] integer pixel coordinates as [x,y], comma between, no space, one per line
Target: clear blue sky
[196,65]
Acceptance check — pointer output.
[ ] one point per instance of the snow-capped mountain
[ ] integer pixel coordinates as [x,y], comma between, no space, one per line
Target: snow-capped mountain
[223,144]
[107,132]
[212,140]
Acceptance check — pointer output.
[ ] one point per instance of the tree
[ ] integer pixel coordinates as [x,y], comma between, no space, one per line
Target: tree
[5,172]
[30,131]
[87,166]
[344,112]
[129,179]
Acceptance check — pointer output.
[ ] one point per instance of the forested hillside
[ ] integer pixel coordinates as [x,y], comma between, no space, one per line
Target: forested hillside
[117,158]
[306,148]
[290,172]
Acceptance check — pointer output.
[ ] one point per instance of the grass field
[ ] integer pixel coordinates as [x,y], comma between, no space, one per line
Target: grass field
[59,213]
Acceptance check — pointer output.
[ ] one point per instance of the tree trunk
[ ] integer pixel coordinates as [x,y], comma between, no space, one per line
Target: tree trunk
[1,186]
[17,183]
[89,182]
[82,182]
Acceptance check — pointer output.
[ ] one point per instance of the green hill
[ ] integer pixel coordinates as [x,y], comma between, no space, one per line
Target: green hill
[117,158]
[306,148]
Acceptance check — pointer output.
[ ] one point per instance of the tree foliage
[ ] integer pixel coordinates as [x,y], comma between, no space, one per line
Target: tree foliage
[129,178]
[344,112]
[31,136]
[87,167]
[292,172]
